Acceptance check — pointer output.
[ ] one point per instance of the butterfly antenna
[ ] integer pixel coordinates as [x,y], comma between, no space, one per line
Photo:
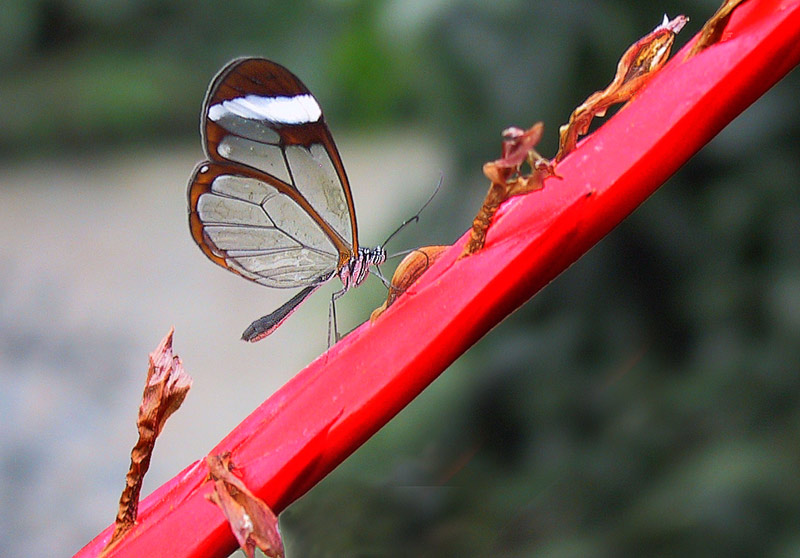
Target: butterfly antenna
[400,253]
[415,218]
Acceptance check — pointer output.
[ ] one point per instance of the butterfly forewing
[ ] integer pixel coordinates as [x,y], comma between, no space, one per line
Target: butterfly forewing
[273,203]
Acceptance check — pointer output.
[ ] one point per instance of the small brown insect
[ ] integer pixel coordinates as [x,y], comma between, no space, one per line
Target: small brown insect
[410,269]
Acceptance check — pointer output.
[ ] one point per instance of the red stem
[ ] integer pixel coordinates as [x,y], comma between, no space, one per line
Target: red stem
[329,409]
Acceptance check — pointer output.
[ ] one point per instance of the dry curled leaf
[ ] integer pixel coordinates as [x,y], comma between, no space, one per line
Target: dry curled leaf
[410,269]
[639,63]
[165,389]
[712,30]
[252,521]
[508,178]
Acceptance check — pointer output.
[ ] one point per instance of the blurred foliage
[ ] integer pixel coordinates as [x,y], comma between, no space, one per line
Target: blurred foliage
[646,403]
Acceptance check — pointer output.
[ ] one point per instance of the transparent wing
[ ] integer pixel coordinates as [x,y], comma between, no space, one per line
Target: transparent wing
[245,224]
[258,114]
[272,203]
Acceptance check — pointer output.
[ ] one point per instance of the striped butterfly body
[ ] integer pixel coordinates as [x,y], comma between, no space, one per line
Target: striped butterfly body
[272,203]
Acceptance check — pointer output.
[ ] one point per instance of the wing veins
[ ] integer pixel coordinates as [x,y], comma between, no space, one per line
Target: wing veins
[230,197]
[288,166]
[239,90]
[279,184]
[238,135]
[291,237]
[260,205]
[299,243]
[317,250]
[239,225]
[253,78]
[274,225]
[267,251]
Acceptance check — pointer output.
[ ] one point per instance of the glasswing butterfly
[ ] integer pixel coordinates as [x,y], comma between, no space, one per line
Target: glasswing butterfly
[272,203]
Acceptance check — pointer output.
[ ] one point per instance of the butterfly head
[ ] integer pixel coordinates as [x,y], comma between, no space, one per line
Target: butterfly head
[355,271]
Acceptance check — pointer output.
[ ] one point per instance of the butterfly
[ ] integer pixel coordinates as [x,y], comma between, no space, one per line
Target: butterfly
[272,203]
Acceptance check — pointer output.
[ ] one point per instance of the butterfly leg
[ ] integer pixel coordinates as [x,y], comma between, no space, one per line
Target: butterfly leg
[332,325]
[377,273]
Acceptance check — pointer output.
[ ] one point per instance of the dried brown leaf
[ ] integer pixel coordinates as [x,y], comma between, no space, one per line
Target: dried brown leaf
[508,179]
[639,63]
[712,30]
[252,521]
[165,389]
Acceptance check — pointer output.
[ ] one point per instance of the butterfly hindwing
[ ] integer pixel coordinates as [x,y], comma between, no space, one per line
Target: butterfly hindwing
[245,224]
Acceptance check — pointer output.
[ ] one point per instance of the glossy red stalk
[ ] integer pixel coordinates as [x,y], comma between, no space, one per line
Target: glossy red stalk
[329,409]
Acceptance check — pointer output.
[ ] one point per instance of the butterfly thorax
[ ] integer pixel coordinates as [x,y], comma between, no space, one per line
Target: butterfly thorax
[356,269]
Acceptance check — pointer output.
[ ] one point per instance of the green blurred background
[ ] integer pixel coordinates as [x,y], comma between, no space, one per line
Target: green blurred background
[644,404]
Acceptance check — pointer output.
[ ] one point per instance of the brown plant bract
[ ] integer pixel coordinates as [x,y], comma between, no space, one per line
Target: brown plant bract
[410,269]
[507,179]
[252,521]
[712,30]
[639,63]
[165,389]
